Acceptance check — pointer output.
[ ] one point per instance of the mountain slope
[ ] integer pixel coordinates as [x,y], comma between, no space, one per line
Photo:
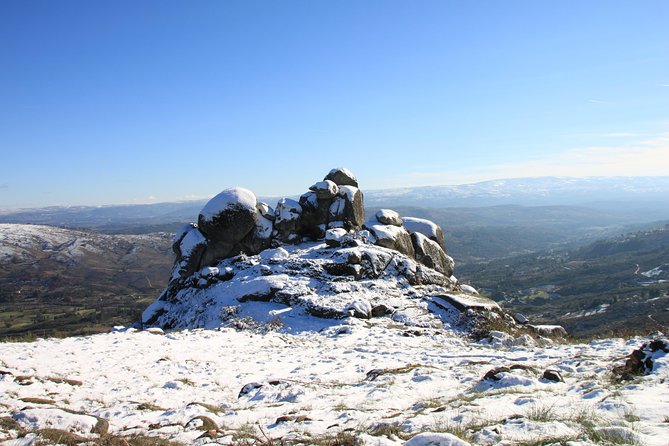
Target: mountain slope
[54,279]
[612,284]
[357,382]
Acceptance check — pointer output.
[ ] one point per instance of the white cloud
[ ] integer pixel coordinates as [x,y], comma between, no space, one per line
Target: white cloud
[641,158]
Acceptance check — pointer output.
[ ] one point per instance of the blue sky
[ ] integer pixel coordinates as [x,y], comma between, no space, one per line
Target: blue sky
[141,101]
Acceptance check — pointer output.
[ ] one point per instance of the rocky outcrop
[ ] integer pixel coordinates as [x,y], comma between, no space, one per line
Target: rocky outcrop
[226,258]
[233,222]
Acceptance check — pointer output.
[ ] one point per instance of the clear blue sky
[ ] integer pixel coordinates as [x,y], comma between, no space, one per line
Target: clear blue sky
[139,101]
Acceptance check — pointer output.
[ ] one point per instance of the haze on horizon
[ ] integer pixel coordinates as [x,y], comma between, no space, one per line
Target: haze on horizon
[160,101]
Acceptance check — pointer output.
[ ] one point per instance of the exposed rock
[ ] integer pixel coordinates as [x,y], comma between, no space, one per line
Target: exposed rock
[191,248]
[348,207]
[553,331]
[265,210]
[248,388]
[360,308]
[641,361]
[314,217]
[341,176]
[524,340]
[494,374]
[430,254]
[382,310]
[553,375]
[389,217]
[520,318]
[426,227]
[325,190]
[393,237]
[334,237]
[179,236]
[286,223]
[229,216]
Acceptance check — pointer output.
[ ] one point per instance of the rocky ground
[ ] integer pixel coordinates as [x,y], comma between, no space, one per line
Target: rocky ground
[356,381]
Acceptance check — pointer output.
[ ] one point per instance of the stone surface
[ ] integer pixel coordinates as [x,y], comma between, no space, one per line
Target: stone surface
[325,190]
[426,227]
[341,176]
[430,254]
[229,216]
[286,223]
[389,217]
[315,215]
[393,237]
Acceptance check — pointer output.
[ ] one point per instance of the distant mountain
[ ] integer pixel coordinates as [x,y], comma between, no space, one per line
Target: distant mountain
[541,191]
[62,280]
[642,199]
[620,282]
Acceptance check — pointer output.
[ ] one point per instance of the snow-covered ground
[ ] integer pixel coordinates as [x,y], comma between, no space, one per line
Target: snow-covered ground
[376,379]
[26,243]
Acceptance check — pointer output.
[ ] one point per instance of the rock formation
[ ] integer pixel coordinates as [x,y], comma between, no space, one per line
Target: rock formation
[316,255]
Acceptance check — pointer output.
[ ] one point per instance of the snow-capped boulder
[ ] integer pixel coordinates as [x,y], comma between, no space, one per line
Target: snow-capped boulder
[341,176]
[426,227]
[229,216]
[393,237]
[325,190]
[334,237]
[389,217]
[430,254]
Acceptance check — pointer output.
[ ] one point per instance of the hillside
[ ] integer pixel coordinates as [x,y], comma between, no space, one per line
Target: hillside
[611,285]
[55,280]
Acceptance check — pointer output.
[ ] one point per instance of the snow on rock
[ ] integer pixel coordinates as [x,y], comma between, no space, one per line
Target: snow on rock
[49,418]
[230,199]
[465,302]
[426,227]
[389,217]
[392,237]
[468,289]
[436,439]
[429,253]
[334,237]
[341,176]
[325,189]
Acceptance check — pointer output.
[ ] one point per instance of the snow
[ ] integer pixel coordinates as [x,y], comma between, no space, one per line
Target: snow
[191,240]
[27,243]
[326,186]
[388,216]
[385,232]
[421,225]
[335,235]
[343,170]
[228,199]
[436,439]
[468,289]
[264,227]
[287,210]
[466,301]
[348,192]
[158,385]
